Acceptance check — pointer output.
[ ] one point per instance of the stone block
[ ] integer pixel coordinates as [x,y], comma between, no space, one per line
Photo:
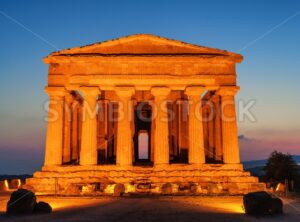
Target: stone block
[21,202]
[109,189]
[195,188]
[233,189]
[129,188]
[72,189]
[276,206]
[261,203]
[167,188]
[4,186]
[119,190]
[184,187]
[42,207]
[15,184]
[215,188]
[143,187]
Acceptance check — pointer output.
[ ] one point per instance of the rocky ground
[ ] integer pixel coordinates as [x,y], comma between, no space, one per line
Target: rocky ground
[208,209]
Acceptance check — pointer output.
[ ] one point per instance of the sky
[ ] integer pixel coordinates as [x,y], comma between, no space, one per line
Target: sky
[265,32]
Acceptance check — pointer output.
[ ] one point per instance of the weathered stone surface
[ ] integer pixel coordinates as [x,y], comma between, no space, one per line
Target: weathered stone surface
[233,188]
[87,189]
[257,203]
[175,187]
[21,202]
[276,206]
[42,207]
[3,186]
[43,182]
[130,188]
[72,189]
[143,187]
[195,188]
[167,188]
[119,190]
[109,189]
[15,183]
[261,203]
[215,188]
[280,187]
[183,187]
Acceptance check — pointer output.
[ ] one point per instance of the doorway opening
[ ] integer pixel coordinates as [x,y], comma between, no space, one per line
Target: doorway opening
[142,135]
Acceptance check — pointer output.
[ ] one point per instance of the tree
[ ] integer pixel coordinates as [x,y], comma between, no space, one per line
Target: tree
[281,167]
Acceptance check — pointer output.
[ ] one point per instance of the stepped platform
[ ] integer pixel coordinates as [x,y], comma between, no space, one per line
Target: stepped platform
[206,179]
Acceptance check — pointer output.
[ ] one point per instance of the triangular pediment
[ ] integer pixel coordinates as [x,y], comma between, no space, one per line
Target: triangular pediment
[143,44]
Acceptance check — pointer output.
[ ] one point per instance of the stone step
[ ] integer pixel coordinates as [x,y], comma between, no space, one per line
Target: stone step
[136,174]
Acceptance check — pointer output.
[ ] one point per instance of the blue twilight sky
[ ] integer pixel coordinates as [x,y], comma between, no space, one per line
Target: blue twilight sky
[269,75]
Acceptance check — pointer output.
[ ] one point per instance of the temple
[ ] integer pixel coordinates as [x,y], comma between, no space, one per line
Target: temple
[152,114]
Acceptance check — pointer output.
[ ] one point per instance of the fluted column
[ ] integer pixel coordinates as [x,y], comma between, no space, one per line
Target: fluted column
[88,152]
[102,126]
[67,127]
[124,155]
[211,130]
[54,140]
[75,131]
[161,138]
[196,139]
[217,128]
[205,126]
[229,126]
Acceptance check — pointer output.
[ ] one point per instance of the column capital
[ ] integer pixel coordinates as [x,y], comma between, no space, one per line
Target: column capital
[89,90]
[215,98]
[55,91]
[124,92]
[69,98]
[160,91]
[227,90]
[194,90]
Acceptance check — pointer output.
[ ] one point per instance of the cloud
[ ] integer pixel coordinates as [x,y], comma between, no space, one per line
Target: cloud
[243,137]
[260,148]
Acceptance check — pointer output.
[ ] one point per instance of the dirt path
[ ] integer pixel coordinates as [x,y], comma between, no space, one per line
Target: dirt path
[165,209]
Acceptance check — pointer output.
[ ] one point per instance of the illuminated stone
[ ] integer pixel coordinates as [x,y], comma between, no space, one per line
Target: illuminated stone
[15,183]
[4,186]
[104,95]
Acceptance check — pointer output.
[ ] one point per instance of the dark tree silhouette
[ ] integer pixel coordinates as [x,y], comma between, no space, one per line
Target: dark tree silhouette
[281,167]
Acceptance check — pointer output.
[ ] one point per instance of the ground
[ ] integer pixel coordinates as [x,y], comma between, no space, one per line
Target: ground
[208,209]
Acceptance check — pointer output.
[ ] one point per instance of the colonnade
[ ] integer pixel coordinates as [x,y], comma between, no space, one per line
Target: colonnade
[78,139]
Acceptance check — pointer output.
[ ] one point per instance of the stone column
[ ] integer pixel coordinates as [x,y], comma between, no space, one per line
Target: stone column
[102,127]
[75,130]
[229,127]
[217,128]
[211,130]
[196,140]
[205,126]
[124,155]
[175,128]
[182,126]
[67,127]
[54,140]
[88,152]
[161,139]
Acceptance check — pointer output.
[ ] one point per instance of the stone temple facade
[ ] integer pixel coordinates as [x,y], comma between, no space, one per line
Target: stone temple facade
[146,113]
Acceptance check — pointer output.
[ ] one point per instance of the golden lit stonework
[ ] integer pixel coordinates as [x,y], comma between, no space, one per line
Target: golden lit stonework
[149,114]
